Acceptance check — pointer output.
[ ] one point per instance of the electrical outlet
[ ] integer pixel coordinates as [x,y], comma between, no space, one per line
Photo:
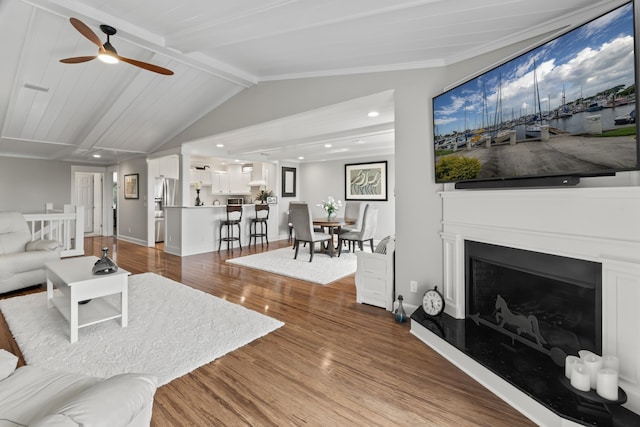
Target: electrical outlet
[414,286]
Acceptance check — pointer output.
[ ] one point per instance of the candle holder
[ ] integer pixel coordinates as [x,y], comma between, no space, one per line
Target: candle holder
[592,395]
[198,201]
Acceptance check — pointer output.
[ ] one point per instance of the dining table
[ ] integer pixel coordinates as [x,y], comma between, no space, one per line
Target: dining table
[333,225]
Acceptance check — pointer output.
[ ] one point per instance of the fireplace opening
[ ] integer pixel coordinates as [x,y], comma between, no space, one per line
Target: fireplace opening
[548,302]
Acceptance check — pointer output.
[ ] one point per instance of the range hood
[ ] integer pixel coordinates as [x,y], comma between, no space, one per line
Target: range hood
[258,176]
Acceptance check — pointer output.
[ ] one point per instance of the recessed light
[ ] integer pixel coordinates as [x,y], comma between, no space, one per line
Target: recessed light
[328,145]
[300,158]
[219,145]
[96,156]
[373,114]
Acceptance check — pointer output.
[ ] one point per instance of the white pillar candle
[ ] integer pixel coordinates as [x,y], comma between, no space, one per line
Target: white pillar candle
[580,377]
[568,365]
[584,353]
[610,362]
[607,384]
[593,362]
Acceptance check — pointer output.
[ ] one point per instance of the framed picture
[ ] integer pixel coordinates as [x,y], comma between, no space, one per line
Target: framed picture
[131,186]
[272,200]
[288,182]
[366,181]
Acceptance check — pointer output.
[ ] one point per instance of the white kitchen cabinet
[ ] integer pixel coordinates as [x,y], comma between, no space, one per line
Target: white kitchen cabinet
[245,179]
[220,182]
[200,175]
[236,180]
[168,167]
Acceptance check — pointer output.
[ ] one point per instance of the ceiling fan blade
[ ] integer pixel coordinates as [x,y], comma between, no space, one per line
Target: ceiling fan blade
[86,31]
[146,66]
[78,59]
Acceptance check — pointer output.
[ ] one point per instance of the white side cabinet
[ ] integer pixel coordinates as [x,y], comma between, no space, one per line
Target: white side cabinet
[374,277]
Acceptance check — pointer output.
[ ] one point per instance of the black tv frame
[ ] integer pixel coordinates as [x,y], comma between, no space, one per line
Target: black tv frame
[560,180]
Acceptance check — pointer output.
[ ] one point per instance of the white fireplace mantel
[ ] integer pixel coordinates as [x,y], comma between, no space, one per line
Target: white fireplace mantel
[594,224]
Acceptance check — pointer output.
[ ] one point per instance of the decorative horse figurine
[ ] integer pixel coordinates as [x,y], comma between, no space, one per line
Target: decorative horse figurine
[527,324]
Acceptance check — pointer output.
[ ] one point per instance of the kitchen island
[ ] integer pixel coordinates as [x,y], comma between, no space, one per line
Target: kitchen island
[194,230]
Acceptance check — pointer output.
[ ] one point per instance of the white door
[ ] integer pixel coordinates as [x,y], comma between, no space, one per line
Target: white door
[84,197]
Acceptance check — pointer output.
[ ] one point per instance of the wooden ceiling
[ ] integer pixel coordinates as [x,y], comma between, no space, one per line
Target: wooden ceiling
[50,110]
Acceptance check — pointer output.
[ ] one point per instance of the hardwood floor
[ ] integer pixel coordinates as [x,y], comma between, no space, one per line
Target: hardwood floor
[335,362]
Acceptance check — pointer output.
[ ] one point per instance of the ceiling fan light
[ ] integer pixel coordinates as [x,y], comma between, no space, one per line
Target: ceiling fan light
[108,58]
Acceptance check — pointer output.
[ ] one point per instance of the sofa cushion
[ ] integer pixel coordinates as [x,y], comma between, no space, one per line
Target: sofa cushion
[112,402]
[8,363]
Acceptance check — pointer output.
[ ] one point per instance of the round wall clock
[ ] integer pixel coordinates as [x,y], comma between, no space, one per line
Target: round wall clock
[433,302]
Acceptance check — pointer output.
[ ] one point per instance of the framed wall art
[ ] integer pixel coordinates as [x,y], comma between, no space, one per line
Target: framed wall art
[366,181]
[288,182]
[131,186]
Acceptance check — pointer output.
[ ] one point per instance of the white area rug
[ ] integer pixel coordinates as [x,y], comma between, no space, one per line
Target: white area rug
[173,329]
[322,270]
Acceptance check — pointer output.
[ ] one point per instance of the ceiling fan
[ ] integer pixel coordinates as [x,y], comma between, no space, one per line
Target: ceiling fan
[106,52]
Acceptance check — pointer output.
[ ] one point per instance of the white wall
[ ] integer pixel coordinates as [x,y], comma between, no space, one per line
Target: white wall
[318,181]
[132,213]
[26,185]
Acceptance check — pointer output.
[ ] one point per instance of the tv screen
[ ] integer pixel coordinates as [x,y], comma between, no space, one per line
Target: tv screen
[566,107]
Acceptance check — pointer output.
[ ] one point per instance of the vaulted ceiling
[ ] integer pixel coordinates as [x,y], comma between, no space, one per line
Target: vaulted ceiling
[217,48]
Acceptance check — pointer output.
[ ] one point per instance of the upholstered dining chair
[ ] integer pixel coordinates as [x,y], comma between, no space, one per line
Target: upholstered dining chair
[354,210]
[366,232]
[303,229]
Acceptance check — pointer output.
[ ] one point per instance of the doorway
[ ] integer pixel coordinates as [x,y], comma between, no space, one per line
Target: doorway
[91,189]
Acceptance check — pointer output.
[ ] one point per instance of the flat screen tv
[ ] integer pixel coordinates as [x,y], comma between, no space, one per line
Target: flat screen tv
[561,111]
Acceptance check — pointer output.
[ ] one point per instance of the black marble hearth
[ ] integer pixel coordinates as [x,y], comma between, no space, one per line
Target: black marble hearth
[529,370]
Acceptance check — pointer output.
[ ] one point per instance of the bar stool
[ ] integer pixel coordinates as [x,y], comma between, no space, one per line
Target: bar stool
[262,215]
[234,217]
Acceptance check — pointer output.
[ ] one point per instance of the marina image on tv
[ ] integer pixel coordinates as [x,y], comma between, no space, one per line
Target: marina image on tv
[565,107]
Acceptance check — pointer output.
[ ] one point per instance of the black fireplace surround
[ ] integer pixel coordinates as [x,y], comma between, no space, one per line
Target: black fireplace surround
[525,312]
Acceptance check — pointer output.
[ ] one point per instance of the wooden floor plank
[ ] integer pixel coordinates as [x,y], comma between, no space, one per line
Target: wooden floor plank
[335,362]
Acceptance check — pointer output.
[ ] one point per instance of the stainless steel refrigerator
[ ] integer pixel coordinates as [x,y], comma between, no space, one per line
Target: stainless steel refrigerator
[165,195]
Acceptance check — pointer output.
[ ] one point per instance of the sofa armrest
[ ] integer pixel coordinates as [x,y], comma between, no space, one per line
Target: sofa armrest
[43,245]
[8,363]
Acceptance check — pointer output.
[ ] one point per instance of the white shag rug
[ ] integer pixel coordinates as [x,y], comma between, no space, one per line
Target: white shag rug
[172,330]
[322,270]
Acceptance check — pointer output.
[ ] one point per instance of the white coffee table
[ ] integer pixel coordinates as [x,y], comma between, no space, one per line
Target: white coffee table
[73,277]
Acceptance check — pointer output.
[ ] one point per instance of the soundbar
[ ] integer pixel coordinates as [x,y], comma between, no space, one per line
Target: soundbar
[543,181]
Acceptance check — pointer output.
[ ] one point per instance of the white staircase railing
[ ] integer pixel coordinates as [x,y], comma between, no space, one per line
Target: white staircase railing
[65,225]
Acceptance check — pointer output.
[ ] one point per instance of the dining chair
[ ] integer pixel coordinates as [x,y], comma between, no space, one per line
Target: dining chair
[261,218]
[366,232]
[289,222]
[353,210]
[303,229]
[234,218]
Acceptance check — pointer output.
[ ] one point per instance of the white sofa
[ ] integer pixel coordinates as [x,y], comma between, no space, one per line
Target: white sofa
[22,260]
[38,397]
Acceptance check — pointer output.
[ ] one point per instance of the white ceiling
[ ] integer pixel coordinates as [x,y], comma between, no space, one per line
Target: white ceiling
[50,110]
